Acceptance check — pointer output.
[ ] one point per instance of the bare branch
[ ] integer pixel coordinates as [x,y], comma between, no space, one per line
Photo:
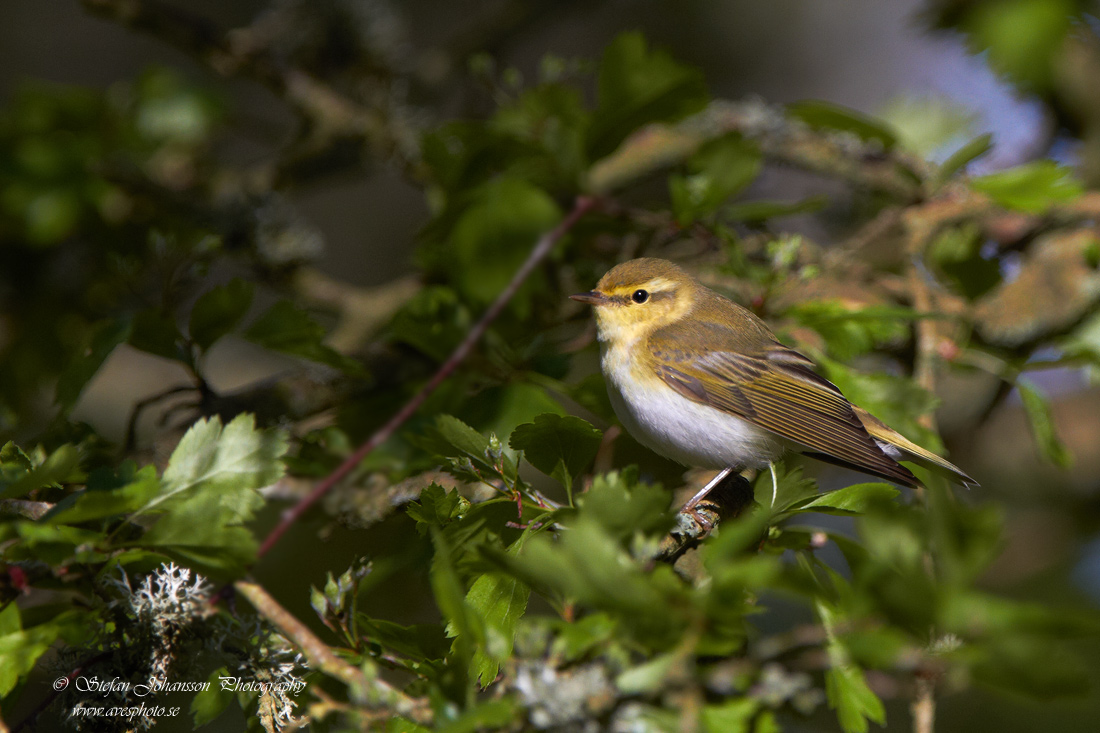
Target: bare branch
[541,249]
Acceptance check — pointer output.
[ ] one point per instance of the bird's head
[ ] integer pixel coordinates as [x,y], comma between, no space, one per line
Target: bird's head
[638,296]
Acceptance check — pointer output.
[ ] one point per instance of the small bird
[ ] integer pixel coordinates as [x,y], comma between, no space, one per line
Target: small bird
[702,381]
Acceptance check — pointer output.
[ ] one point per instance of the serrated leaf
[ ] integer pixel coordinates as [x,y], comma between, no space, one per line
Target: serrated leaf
[829,116]
[847,691]
[460,437]
[500,601]
[560,447]
[218,311]
[624,507]
[845,686]
[1042,425]
[1032,187]
[287,328]
[210,489]
[81,370]
[238,458]
[436,506]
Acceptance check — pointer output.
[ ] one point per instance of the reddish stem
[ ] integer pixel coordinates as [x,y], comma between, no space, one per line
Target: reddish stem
[541,249]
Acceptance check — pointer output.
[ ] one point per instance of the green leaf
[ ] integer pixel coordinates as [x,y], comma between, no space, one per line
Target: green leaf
[458,438]
[436,507]
[1022,39]
[489,715]
[845,686]
[574,640]
[1037,667]
[786,489]
[81,369]
[156,333]
[847,691]
[718,171]
[123,494]
[397,724]
[493,236]
[21,648]
[589,566]
[560,447]
[210,489]
[732,716]
[925,125]
[18,480]
[829,116]
[897,401]
[434,321]
[286,328]
[962,157]
[462,622]
[855,499]
[1042,425]
[957,252]
[237,459]
[420,642]
[637,86]
[755,212]
[648,677]
[1033,187]
[849,332]
[218,311]
[210,703]
[500,601]
[624,507]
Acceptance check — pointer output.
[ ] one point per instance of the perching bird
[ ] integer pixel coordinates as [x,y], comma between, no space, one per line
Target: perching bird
[704,382]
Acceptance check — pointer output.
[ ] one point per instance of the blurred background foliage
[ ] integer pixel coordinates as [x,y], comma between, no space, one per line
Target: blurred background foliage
[298,210]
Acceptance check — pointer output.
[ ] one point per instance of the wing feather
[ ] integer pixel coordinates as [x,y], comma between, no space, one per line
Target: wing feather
[779,392]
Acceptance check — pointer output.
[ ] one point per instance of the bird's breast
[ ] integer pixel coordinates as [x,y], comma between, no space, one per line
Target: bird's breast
[670,424]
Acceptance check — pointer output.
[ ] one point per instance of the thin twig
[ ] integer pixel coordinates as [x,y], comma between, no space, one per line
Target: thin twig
[923,706]
[321,657]
[541,249]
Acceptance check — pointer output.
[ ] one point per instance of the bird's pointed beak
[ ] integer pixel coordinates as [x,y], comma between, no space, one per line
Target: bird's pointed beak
[592,297]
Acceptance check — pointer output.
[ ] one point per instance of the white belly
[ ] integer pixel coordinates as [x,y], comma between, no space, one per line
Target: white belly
[687,432]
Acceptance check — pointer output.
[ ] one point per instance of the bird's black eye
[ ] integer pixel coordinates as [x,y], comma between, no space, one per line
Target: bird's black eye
[640,296]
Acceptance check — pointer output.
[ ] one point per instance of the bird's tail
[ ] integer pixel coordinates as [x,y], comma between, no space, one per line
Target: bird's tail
[900,448]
